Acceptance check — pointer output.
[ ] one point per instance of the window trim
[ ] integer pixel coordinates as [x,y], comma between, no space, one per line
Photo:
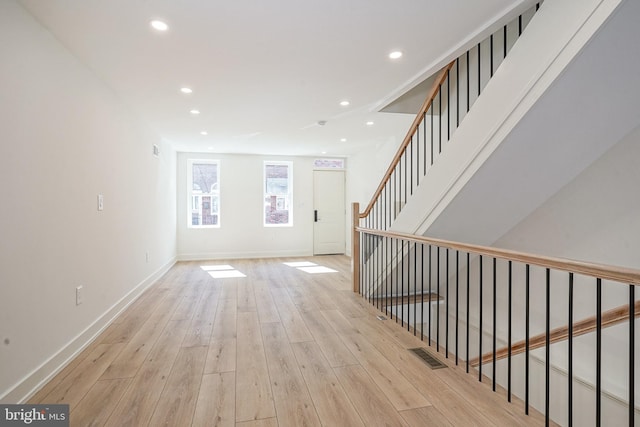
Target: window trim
[191,194]
[289,165]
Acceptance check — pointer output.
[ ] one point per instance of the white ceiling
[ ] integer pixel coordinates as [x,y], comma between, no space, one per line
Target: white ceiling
[263,73]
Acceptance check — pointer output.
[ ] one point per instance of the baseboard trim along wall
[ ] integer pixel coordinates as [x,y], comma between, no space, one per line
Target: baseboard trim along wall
[242,255]
[31,383]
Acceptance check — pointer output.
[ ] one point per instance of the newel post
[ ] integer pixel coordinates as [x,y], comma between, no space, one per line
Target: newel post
[355,246]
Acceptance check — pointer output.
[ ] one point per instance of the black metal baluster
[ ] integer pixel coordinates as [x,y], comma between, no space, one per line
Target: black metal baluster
[406,185]
[526,343]
[632,321]
[408,285]
[379,250]
[398,263]
[400,204]
[386,203]
[480,327]
[390,202]
[418,156]
[467,322]
[395,194]
[378,276]
[431,133]
[376,272]
[457,92]
[439,118]
[366,270]
[495,311]
[468,82]
[570,355]
[598,352]
[365,238]
[424,138]
[446,299]
[421,291]
[547,343]
[448,106]
[402,319]
[389,276]
[360,279]
[491,53]
[369,274]
[411,166]
[438,304]
[479,71]
[415,285]
[509,297]
[457,300]
[363,276]
[430,295]
[504,40]
[392,273]
[372,262]
[519,25]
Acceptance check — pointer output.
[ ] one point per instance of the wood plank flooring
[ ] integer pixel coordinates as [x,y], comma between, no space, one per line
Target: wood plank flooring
[279,347]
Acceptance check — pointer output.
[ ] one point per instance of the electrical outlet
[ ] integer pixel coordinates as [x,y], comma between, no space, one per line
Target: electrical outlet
[78,295]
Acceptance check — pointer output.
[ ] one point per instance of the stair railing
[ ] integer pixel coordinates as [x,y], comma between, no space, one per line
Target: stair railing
[456,88]
[461,299]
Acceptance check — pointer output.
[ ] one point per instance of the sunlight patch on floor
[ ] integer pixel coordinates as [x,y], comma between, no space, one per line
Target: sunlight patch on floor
[310,267]
[300,264]
[317,269]
[223,271]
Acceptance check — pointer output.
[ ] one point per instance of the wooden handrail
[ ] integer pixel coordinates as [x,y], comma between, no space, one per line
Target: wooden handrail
[609,318]
[407,139]
[602,271]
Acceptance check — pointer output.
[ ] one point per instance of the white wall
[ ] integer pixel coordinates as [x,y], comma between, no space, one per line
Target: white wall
[242,234]
[65,137]
[594,217]
[527,135]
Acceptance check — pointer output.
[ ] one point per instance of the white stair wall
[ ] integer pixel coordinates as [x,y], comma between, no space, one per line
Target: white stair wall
[565,94]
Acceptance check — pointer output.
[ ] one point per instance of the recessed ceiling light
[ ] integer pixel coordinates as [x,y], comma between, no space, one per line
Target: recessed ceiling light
[395,54]
[324,152]
[159,25]
[344,103]
[343,139]
[194,112]
[186,90]
[369,123]
[204,132]
[209,148]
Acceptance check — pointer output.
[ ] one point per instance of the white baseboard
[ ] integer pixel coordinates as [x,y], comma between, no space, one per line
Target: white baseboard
[243,255]
[31,383]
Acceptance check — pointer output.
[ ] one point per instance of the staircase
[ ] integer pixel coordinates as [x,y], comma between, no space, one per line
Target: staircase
[563,97]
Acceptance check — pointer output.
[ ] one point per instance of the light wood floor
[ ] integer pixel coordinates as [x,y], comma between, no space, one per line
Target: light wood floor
[279,347]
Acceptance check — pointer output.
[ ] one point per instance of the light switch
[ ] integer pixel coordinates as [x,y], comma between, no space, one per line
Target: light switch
[100,202]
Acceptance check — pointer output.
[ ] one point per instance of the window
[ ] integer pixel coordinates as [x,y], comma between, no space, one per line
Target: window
[203,178]
[328,164]
[278,194]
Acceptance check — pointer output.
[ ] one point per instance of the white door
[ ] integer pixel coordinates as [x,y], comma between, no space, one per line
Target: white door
[329,212]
